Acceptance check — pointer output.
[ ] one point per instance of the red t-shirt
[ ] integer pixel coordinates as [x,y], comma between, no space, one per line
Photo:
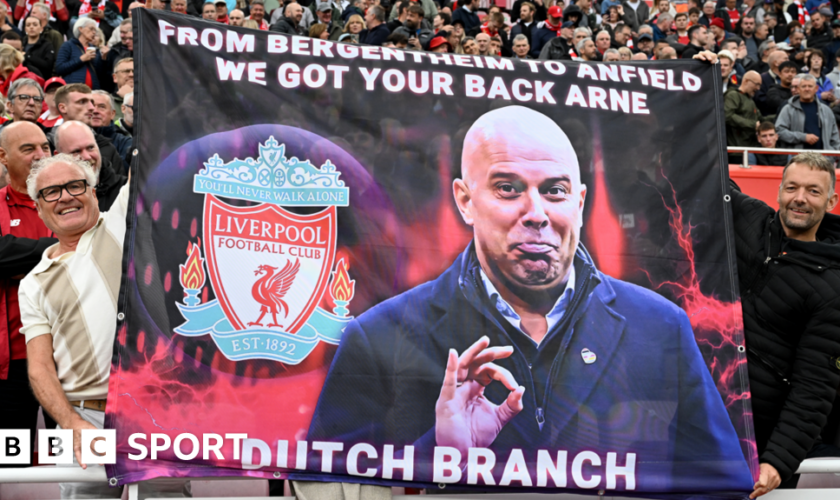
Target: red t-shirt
[734,16]
[25,223]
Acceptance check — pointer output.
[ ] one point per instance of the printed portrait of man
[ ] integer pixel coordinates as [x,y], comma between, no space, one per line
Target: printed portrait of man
[522,343]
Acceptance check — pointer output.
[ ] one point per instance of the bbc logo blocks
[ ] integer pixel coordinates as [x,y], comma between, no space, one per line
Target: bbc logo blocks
[55,446]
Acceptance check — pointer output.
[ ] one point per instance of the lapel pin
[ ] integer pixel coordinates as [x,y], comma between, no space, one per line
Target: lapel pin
[588,356]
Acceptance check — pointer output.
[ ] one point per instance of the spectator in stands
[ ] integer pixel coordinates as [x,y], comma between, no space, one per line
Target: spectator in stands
[612,55]
[75,102]
[834,74]
[662,28]
[546,30]
[521,47]
[768,79]
[126,123]
[51,117]
[123,81]
[402,12]
[25,100]
[237,17]
[718,30]
[833,46]
[12,68]
[761,65]
[645,45]
[208,12]
[290,22]
[698,37]
[666,53]
[125,48]
[621,36]
[257,13]
[222,12]
[625,54]
[22,243]
[178,6]
[42,13]
[793,376]
[586,50]
[12,39]
[413,28]
[795,50]
[635,14]
[466,14]
[39,51]
[805,122]
[469,45]
[64,183]
[820,34]
[102,122]
[483,41]
[602,42]
[748,34]
[727,69]
[526,22]
[441,19]
[78,140]
[611,19]
[780,93]
[742,115]
[680,34]
[767,138]
[815,62]
[334,27]
[77,61]
[376,31]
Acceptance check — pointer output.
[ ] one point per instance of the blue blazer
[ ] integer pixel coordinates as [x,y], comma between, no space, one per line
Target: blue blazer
[71,68]
[649,392]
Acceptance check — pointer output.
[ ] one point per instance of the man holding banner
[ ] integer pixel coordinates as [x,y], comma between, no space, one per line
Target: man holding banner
[588,365]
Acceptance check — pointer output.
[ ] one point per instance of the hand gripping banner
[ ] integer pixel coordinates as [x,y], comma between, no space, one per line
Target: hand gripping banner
[362,264]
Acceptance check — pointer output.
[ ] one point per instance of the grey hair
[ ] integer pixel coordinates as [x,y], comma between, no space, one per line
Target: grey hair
[612,51]
[24,82]
[764,47]
[521,37]
[664,17]
[81,23]
[806,77]
[581,43]
[604,31]
[131,95]
[108,95]
[125,21]
[583,30]
[814,161]
[42,7]
[57,130]
[45,163]
[709,2]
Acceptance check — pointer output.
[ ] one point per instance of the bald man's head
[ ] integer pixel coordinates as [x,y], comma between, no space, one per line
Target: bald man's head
[521,192]
[750,83]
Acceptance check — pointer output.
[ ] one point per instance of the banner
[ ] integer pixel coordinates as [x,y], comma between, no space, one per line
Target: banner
[356,263]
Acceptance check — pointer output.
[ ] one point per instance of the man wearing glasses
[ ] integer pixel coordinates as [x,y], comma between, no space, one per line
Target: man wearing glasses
[123,82]
[21,143]
[25,101]
[69,305]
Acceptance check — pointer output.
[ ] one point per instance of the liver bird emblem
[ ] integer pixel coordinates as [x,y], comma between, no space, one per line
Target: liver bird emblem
[270,290]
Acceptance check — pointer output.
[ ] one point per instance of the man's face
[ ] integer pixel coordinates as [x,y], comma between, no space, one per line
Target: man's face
[804,197]
[295,12]
[748,25]
[725,66]
[237,17]
[584,5]
[681,23]
[128,111]
[80,142]
[69,215]
[41,15]
[483,40]
[179,6]
[78,107]
[526,14]
[787,75]
[589,50]
[49,97]
[470,47]
[664,25]
[413,20]
[602,41]
[768,138]
[579,35]
[730,4]
[664,6]
[102,112]
[750,84]
[567,33]
[701,35]
[25,144]
[221,10]
[621,36]
[495,46]
[611,57]
[524,200]
[257,12]
[709,9]
[794,86]
[124,74]
[208,12]
[796,39]
[14,43]
[437,23]
[817,20]
[807,90]
[667,53]
[717,32]
[694,18]
[26,105]
[521,48]
[325,17]
[646,46]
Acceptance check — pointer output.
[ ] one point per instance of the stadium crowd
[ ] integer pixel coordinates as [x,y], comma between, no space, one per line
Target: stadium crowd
[67,78]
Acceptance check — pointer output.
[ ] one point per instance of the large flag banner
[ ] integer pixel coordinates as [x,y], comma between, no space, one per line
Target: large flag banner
[356,263]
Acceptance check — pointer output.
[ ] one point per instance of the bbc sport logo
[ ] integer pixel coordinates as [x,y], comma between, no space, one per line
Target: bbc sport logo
[55,446]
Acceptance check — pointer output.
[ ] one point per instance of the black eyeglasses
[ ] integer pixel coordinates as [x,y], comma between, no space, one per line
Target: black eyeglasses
[73,188]
[26,98]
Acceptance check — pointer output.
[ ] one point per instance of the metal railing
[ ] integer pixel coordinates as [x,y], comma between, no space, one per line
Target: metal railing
[776,151]
[54,474]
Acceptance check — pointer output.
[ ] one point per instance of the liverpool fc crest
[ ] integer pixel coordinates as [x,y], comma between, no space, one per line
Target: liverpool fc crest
[269,267]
